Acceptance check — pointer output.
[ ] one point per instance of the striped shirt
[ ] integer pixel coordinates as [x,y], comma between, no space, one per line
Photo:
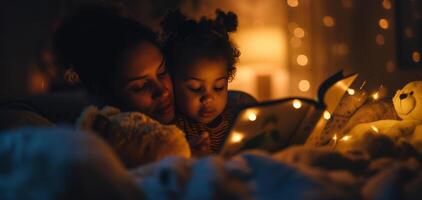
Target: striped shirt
[217,130]
[220,127]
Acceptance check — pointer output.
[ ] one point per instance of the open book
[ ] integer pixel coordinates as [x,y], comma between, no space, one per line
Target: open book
[277,124]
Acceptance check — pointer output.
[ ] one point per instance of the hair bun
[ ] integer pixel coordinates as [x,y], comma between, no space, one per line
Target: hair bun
[227,20]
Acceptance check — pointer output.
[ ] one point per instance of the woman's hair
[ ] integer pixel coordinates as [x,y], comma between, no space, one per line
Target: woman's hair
[94,40]
[188,40]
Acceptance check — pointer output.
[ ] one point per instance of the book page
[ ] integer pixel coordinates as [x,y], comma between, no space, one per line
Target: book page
[272,126]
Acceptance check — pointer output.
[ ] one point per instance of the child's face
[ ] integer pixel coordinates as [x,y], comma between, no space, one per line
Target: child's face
[201,89]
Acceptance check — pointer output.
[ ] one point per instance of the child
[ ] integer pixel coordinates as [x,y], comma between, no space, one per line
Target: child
[201,60]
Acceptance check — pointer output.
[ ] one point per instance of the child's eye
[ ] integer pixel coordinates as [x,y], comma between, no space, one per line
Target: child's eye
[218,89]
[195,89]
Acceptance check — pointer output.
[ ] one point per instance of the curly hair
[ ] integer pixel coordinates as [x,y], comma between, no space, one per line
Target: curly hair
[94,40]
[187,40]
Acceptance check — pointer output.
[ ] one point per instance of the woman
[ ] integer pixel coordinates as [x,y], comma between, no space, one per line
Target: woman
[118,60]
[120,63]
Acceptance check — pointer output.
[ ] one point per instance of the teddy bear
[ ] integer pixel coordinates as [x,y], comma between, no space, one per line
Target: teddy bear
[136,138]
[383,136]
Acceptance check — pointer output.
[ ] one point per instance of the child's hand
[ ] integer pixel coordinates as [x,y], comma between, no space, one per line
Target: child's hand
[200,145]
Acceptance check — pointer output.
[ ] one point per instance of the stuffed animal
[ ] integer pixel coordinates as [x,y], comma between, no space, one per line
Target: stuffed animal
[136,138]
[388,134]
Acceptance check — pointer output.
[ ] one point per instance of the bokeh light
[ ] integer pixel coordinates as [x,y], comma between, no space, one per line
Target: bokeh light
[328,21]
[299,32]
[383,23]
[304,85]
[390,66]
[416,56]
[236,137]
[379,39]
[302,60]
[386,4]
[297,103]
[293,3]
[327,115]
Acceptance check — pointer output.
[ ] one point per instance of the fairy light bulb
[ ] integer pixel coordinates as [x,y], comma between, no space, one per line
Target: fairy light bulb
[346,138]
[236,137]
[297,103]
[252,117]
[327,115]
[351,91]
[375,129]
[376,96]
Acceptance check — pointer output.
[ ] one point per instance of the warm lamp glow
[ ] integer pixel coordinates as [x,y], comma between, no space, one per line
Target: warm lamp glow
[299,32]
[297,103]
[261,45]
[416,56]
[327,115]
[328,21]
[302,60]
[383,23]
[335,137]
[293,3]
[236,137]
[304,85]
[351,91]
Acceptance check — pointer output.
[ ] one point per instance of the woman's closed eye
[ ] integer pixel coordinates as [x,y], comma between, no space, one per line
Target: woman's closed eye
[162,72]
[139,87]
[218,89]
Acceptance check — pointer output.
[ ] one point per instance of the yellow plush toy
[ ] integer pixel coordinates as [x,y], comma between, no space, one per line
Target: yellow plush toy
[387,133]
[136,138]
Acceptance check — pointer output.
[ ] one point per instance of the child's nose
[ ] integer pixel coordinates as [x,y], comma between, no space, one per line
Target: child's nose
[206,99]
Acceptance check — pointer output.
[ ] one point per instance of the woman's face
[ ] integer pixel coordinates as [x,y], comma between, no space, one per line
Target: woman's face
[144,84]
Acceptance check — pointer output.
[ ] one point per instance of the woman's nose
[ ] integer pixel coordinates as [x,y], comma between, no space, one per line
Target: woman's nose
[160,91]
